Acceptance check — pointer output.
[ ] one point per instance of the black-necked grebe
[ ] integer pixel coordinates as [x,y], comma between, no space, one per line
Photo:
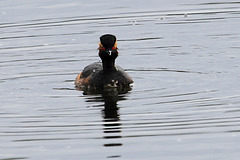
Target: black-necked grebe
[104,74]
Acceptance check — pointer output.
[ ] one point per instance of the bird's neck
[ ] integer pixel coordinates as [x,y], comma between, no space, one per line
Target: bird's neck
[108,59]
[108,64]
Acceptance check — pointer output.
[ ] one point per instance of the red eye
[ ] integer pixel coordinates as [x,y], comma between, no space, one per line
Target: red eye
[113,48]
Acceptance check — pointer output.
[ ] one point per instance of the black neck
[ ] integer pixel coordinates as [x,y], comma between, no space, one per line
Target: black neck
[108,64]
[108,59]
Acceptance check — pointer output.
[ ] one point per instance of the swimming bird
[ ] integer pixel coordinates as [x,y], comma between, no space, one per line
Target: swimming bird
[105,73]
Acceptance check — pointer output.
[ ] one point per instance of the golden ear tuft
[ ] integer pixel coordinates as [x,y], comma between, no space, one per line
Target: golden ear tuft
[100,46]
[115,45]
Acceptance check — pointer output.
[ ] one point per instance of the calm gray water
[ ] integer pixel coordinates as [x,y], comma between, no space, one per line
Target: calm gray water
[184,59]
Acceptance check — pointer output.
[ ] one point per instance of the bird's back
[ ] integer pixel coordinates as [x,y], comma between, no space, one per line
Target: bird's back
[94,75]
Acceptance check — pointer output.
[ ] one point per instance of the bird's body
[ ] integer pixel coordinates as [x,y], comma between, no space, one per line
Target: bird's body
[93,75]
[104,74]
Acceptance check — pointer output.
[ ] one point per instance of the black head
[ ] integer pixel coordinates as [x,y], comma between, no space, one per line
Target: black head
[108,41]
[108,50]
[108,46]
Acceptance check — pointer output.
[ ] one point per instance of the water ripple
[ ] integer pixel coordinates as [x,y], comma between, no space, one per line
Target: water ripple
[182,56]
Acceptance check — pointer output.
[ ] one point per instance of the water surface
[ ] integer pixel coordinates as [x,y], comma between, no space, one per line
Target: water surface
[183,57]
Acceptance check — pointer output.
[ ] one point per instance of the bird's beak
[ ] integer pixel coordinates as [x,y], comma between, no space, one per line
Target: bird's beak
[109,52]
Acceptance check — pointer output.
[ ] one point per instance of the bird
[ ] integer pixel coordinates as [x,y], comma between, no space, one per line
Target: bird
[105,73]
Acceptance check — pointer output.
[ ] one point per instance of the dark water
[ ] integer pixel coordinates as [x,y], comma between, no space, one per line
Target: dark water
[184,59]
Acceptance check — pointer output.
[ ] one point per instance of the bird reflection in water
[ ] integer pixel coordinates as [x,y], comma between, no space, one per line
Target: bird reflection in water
[112,123]
[111,117]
